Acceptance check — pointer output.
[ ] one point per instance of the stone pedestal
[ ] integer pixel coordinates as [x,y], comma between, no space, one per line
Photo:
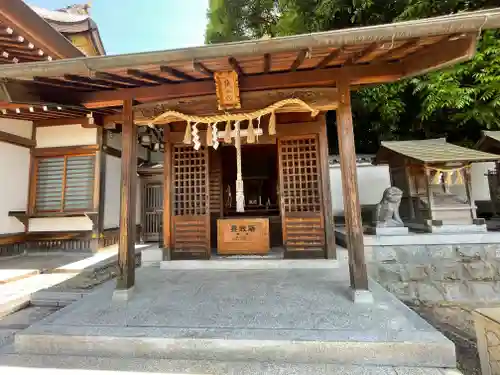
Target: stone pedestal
[487,324]
[388,231]
[151,257]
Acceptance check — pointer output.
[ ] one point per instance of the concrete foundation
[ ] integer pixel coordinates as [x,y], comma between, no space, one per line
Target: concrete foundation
[303,317]
[435,268]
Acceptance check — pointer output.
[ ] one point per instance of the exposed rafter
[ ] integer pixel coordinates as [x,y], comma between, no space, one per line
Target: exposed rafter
[298,60]
[236,66]
[329,58]
[201,68]
[176,73]
[148,76]
[120,79]
[267,63]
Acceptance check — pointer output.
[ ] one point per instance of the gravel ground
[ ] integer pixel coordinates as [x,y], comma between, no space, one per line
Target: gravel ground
[456,323]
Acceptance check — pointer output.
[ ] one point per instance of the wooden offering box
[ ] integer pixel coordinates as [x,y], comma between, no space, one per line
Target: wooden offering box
[242,236]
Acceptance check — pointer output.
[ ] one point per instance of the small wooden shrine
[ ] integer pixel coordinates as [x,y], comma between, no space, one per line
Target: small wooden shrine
[434,176]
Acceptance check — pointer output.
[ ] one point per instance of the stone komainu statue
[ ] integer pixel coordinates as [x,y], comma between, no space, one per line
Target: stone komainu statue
[387,211]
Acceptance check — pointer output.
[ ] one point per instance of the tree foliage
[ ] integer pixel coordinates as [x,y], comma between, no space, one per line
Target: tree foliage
[457,102]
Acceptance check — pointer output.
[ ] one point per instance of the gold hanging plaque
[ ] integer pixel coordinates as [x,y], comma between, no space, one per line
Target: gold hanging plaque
[228,91]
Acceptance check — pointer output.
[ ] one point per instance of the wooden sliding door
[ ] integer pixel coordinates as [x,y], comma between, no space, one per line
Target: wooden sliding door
[191,203]
[301,196]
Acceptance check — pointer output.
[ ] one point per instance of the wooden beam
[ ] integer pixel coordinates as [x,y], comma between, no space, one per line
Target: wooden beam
[329,58]
[352,209]
[304,78]
[201,68]
[148,76]
[59,83]
[359,56]
[298,60]
[236,66]
[95,84]
[176,73]
[331,251]
[126,245]
[118,154]
[444,53]
[65,150]
[119,79]
[83,121]
[391,52]
[167,194]
[267,63]
[16,140]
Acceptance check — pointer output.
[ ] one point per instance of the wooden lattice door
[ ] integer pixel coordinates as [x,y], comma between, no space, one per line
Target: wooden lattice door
[301,196]
[191,203]
[152,211]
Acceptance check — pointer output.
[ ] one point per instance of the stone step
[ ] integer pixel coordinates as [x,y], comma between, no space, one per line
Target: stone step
[91,365]
[224,344]
[246,263]
[55,299]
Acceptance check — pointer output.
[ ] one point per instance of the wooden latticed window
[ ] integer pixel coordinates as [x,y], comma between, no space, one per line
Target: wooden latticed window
[190,181]
[64,183]
[300,175]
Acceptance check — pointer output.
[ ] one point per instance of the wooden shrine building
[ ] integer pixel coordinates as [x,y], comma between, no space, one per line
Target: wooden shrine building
[435,178]
[241,129]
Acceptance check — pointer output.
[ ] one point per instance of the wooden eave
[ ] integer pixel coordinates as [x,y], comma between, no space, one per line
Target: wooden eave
[431,152]
[364,55]
[489,142]
[26,37]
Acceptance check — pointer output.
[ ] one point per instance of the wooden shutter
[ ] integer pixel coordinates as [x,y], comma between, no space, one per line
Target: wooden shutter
[191,203]
[301,196]
[65,183]
[215,180]
[78,192]
[49,184]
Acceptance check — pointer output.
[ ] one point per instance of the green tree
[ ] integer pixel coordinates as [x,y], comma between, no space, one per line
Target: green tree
[457,102]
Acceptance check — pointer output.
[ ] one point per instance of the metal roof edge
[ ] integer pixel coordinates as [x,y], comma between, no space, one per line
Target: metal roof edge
[466,22]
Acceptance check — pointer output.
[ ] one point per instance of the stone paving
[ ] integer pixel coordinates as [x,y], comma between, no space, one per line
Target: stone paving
[16,294]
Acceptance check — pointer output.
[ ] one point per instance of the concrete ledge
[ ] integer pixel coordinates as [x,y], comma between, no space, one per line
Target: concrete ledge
[249,264]
[37,365]
[415,239]
[160,343]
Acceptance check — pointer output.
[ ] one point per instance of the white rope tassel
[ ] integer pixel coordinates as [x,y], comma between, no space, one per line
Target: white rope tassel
[196,137]
[240,195]
[215,136]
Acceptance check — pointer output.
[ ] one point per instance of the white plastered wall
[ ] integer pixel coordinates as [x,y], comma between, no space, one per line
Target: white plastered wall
[372,181]
[63,136]
[112,194]
[14,174]
[479,181]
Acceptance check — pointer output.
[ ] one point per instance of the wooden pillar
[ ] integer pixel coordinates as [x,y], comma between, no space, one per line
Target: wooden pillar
[128,197]
[352,209]
[430,197]
[99,191]
[331,250]
[468,190]
[167,195]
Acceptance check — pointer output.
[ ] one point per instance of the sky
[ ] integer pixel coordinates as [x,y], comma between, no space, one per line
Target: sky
[128,26]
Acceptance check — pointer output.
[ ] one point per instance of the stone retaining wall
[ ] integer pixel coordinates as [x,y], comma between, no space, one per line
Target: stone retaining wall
[462,273]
